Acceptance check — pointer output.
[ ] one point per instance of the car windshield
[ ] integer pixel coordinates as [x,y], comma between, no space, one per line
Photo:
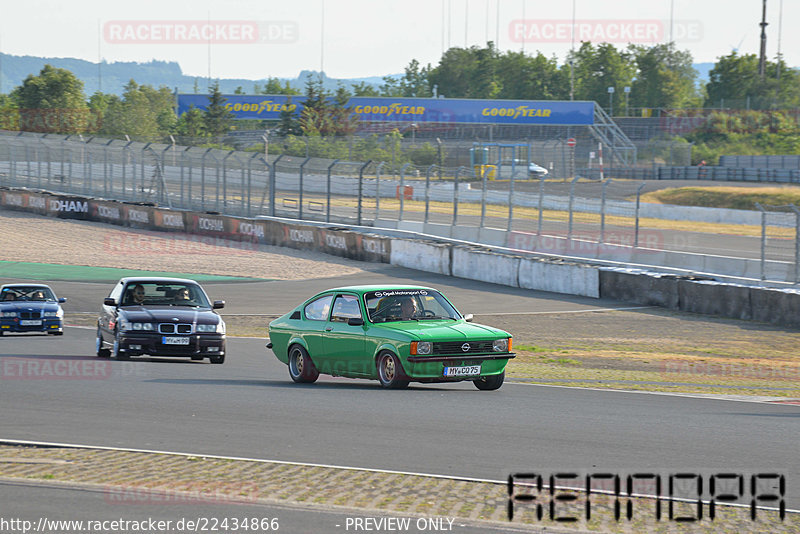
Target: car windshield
[408,305]
[27,293]
[164,294]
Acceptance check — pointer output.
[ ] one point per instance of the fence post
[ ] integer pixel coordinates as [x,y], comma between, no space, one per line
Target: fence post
[246,211]
[603,210]
[163,182]
[273,180]
[510,202]
[796,243]
[402,189]
[636,229]
[483,195]
[571,204]
[186,191]
[455,196]
[300,193]
[328,191]
[361,188]
[225,181]
[266,185]
[203,179]
[378,189]
[541,202]
[763,240]
[428,190]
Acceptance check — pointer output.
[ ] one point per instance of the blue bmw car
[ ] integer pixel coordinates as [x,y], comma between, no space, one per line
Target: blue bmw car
[30,308]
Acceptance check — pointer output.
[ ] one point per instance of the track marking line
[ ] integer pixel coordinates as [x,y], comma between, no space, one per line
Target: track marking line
[761,400]
[570,311]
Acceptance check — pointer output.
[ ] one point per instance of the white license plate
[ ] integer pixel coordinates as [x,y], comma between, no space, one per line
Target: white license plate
[464,370]
[170,340]
[30,322]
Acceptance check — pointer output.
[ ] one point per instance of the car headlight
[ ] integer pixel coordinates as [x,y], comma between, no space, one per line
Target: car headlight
[502,345]
[421,348]
[8,314]
[219,328]
[137,326]
[50,314]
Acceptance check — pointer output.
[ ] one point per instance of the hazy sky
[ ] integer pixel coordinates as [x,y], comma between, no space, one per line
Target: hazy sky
[354,38]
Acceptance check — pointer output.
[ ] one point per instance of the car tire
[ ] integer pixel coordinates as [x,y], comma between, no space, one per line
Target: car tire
[118,354]
[301,368]
[218,360]
[98,346]
[491,382]
[390,372]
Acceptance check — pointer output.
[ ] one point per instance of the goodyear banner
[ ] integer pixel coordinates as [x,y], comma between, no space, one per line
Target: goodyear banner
[449,110]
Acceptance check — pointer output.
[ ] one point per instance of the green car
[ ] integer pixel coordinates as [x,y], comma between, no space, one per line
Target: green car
[394,334]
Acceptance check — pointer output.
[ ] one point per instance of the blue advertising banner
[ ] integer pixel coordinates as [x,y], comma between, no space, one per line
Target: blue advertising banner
[382,109]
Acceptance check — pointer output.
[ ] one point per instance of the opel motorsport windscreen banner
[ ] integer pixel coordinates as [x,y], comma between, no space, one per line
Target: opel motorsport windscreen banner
[452,110]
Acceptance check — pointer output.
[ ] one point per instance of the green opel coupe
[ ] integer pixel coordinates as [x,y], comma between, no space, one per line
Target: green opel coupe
[394,334]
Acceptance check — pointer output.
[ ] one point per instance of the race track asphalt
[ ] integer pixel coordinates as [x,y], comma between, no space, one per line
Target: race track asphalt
[248,407]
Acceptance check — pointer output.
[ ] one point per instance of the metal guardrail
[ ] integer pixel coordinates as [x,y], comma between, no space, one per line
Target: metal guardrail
[544,215]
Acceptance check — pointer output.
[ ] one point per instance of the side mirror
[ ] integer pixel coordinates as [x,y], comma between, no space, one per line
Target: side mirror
[355,321]
[468,317]
[108,301]
[62,299]
[218,304]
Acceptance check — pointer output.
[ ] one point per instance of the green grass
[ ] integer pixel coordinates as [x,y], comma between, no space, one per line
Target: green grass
[743,198]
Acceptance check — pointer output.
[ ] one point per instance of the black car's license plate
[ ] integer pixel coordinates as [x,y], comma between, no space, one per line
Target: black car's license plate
[174,340]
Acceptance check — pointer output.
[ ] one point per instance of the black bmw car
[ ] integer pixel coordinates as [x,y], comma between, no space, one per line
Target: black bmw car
[160,317]
[30,308]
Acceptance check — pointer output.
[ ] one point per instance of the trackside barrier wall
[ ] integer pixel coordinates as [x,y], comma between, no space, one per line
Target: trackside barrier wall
[777,306]
[485,265]
[559,276]
[421,255]
[685,293]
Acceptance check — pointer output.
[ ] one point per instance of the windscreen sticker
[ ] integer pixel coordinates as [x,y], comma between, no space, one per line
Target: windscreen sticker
[397,293]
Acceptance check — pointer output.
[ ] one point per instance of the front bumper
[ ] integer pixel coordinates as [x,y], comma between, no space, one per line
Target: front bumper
[431,368]
[54,325]
[138,343]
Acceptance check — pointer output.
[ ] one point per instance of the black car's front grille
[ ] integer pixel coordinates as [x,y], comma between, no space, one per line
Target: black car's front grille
[462,347]
[30,315]
[170,328]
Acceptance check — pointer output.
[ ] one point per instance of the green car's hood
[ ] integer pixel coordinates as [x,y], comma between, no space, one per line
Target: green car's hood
[444,330]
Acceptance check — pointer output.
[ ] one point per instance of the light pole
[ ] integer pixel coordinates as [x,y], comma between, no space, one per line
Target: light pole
[627,97]
[611,101]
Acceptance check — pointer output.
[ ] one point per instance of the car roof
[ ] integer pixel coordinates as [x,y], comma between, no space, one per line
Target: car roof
[382,287]
[165,279]
[23,285]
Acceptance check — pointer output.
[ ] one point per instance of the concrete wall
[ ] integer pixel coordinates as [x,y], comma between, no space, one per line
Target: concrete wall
[684,293]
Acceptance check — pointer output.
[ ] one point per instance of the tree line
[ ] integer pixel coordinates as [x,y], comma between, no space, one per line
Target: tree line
[658,76]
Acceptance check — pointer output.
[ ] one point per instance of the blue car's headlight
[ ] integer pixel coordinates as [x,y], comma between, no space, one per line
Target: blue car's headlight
[8,314]
[142,326]
[53,314]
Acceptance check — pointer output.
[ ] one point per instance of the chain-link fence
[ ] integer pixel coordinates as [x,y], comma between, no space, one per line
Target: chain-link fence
[553,213]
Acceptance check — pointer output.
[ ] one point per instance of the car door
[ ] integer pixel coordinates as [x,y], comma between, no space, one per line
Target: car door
[315,315]
[344,342]
[108,315]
